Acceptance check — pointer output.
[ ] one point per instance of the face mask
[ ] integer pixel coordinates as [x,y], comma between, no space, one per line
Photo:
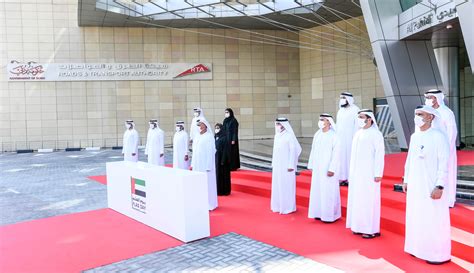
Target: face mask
[217,131]
[361,122]
[152,126]
[227,115]
[196,114]
[429,102]
[178,129]
[128,125]
[279,129]
[342,102]
[321,124]
[419,121]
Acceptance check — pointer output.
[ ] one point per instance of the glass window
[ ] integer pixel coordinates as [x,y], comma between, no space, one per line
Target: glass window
[406,4]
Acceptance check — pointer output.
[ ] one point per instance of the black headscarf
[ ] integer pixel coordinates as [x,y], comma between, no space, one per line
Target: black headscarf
[231,112]
[221,132]
[231,116]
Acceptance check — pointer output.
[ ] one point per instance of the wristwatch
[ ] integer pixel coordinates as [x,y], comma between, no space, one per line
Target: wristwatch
[440,187]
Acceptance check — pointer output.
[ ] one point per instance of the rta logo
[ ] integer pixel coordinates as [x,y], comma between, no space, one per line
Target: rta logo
[200,68]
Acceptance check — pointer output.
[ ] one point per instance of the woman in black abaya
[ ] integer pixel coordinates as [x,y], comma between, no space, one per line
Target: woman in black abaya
[231,126]
[222,161]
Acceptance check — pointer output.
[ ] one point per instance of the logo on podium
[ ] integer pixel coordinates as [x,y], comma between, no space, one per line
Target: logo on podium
[138,187]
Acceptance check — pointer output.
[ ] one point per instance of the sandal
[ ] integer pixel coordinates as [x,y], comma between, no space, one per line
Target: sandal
[370,236]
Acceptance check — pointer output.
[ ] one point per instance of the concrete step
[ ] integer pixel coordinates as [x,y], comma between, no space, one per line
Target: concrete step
[465,184]
[262,159]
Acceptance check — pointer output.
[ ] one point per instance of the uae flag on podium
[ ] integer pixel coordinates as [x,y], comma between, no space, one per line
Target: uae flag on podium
[138,187]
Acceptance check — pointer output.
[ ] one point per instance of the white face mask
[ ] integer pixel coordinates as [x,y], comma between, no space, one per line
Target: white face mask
[429,102]
[227,115]
[321,124]
[279,129]
[196,114]
[419,121]
[361,122]
[128,125]
[217,131]
[152,126]
[178,129]
[342,102]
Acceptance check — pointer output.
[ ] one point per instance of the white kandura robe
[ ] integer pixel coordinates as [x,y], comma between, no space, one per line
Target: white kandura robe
[325,199]
[346,129]
[130,145]
[155,146]
[428,228]
[204,157]
[367,162]
[180,150]
[285,156]
[194,130]
[448,123]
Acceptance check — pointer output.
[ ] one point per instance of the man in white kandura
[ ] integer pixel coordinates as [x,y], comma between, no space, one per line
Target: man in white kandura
[447,124]
[155,144]
[286,151]
[365,174]
[324,199]
[347,127]
[180,147]
[130,142]
[204,157]
[193,129]
[428,228]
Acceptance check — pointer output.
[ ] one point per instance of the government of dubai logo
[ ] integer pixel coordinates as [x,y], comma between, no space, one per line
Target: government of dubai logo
[138,194]
[200,68]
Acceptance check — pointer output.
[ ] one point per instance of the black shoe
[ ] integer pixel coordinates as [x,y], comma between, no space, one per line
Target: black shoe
[370,236]
[356,233]
[317,218]
[343,183]
[438,263]
[328,222]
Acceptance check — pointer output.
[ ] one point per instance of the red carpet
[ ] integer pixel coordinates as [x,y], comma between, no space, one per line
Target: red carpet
[393,203]
[395,163]
[76,242]
[102,179]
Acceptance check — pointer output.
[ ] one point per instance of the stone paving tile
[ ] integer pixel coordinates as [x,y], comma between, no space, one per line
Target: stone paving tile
[39,185]
[230,252]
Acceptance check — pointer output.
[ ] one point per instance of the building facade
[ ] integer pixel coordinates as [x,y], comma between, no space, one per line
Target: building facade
[260,80]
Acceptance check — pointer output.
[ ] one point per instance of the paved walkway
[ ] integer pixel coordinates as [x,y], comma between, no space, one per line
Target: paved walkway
[230,252]
[39,185]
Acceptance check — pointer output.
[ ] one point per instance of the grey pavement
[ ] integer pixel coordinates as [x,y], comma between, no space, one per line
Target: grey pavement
[39,185]
[230,252]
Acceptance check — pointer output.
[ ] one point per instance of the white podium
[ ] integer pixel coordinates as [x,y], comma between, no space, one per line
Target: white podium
[170,200]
